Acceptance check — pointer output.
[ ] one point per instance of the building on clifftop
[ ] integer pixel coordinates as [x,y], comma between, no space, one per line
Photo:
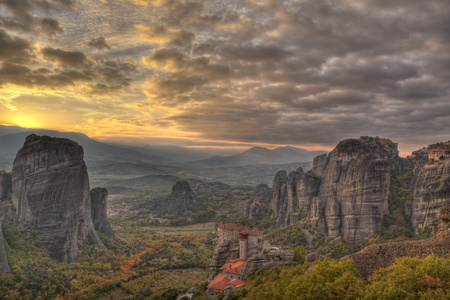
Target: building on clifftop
[437,153]
[250,240]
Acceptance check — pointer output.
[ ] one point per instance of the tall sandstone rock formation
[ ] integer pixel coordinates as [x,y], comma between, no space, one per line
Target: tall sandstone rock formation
[345,193]
[5,184]
[176,204]
[293,195]
[431,191]
[50,187]
[99,212]
[181,196]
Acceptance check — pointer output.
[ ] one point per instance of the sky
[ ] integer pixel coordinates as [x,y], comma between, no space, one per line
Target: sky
[230,74]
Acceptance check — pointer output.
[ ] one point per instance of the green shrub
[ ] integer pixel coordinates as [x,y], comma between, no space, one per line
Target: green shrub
[411,278]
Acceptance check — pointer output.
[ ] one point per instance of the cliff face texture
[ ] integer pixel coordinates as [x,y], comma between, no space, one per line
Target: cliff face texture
[268,261]
[379,256]
[180,197]
[261,191]
[51,193]
[222,253]
[5,185]
[431,191]
[347,195]
[279,198]
[174,205]
[4,267]
[292,195]
[99,212]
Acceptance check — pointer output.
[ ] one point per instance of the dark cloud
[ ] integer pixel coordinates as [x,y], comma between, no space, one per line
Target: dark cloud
[311,71]
[50,27]
[66,58]
[24,76]
[99,43]
[14,49]
[19,15]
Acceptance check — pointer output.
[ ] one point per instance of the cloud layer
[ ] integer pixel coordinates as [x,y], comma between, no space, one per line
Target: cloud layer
[309,72]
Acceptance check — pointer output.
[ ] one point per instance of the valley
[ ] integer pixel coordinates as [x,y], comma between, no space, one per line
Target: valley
[162,220]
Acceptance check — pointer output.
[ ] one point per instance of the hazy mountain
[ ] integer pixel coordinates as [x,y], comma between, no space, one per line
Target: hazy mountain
[94,150]
[261,155]
[155,182]
[4,130]
[175,153]
[109,167]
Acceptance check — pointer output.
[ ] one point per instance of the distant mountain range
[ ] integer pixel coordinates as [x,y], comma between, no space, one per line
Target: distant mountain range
[13,137]
[260,155]
[10,144]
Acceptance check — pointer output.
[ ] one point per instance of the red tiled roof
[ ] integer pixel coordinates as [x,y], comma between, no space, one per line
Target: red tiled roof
[231,226]
[220,282]
[241,228]
[233,266]
[237,283]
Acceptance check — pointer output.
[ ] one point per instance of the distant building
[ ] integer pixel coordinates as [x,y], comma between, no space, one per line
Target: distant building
[230,274]
[437,153]
[250,240]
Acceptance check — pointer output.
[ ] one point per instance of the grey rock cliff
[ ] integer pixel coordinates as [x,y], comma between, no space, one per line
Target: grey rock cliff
[258,205]
[174,205]
[4,267]
[350,197]
[179,199]
[417,161]
[222,253]
[268,261]
[279,198]
[319,164]
[293,195]
[378,256]
[51,193]
[5,185]
[431,191]
[6,209]
[99,212]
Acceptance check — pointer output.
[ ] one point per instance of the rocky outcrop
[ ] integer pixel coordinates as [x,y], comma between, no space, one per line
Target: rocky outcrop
[378,256]
[351,195]
[4,266]
[319,164]
[431,191]
[268,261]
[417,161]
[293,195]
[179,199]
[99,212]
[7,212]
[51,193]
[258,205]
[174,205]
[279,198]
[5,185]
[222,253]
